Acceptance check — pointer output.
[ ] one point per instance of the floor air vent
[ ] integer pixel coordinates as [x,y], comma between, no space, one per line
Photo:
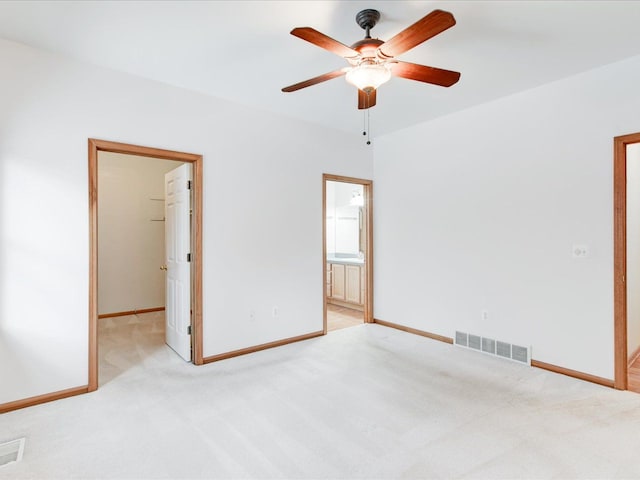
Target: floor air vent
[494,347]
[11,451]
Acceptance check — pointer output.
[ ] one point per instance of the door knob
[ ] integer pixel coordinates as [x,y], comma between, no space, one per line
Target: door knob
[163,267]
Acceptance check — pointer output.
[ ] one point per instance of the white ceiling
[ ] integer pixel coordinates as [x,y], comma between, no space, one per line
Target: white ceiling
[242,50]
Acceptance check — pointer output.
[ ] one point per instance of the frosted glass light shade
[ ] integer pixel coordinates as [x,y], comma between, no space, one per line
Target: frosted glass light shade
[368,76]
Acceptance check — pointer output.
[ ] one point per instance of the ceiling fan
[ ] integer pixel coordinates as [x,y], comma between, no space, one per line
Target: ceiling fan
[372,61]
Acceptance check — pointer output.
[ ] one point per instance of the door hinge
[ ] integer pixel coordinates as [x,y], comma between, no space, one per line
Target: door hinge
[188,184]
[188,257]
[189,330]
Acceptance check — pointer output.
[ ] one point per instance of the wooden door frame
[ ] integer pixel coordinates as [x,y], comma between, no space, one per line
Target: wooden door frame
[96,146]
[368,256]
[620,256]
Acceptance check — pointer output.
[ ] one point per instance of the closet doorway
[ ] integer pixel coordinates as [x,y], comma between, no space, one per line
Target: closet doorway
[347,252]
[182,209]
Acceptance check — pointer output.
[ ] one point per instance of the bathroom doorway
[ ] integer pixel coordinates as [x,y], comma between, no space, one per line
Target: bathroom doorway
[347,252]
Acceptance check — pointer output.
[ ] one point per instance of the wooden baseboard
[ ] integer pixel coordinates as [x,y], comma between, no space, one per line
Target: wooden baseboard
[633,357]
[573,373]
[264,346]
[534,363]
[415,331]
[131,312]
[47,397]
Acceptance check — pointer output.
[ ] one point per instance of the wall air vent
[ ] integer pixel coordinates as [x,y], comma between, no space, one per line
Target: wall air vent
[474,341]
[462,339]
[520,354]
[488,345]
[503,349]
[494,347]
[11,451]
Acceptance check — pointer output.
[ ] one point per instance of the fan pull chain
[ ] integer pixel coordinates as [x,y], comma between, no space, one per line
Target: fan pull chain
[364,122]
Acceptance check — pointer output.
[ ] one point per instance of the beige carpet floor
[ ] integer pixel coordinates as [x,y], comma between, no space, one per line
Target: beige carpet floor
[362,402]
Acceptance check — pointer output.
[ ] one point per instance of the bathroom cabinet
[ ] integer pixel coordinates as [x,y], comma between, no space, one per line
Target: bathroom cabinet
[345,285]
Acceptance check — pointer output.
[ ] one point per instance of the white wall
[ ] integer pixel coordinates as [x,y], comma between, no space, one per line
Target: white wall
[633,248]
[260,170]
[484,218]
[343,225]
[330,218]
[130,244]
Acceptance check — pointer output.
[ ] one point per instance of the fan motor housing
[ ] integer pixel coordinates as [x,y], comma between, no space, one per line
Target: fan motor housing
[366,43]
[367,47]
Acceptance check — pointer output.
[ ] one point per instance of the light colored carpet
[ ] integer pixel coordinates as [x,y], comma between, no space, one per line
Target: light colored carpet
[363,402]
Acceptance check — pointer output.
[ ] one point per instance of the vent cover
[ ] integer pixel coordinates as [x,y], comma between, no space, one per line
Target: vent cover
[462,339]
[503,349]
[491,346]
[11,451]
[488,346]
[519,354]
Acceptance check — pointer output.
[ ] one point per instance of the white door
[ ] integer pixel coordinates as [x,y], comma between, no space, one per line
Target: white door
[178,251]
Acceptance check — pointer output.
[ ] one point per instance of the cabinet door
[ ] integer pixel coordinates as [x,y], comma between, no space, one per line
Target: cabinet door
[337,281]
[352,273]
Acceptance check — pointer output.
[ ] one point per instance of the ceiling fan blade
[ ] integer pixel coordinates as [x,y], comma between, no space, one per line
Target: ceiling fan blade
[429,26]
[422,73]
[366,100]
[315,80]
[322,41]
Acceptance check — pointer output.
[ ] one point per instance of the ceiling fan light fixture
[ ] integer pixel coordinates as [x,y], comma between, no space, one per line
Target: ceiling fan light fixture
[368,76]
[372,61]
